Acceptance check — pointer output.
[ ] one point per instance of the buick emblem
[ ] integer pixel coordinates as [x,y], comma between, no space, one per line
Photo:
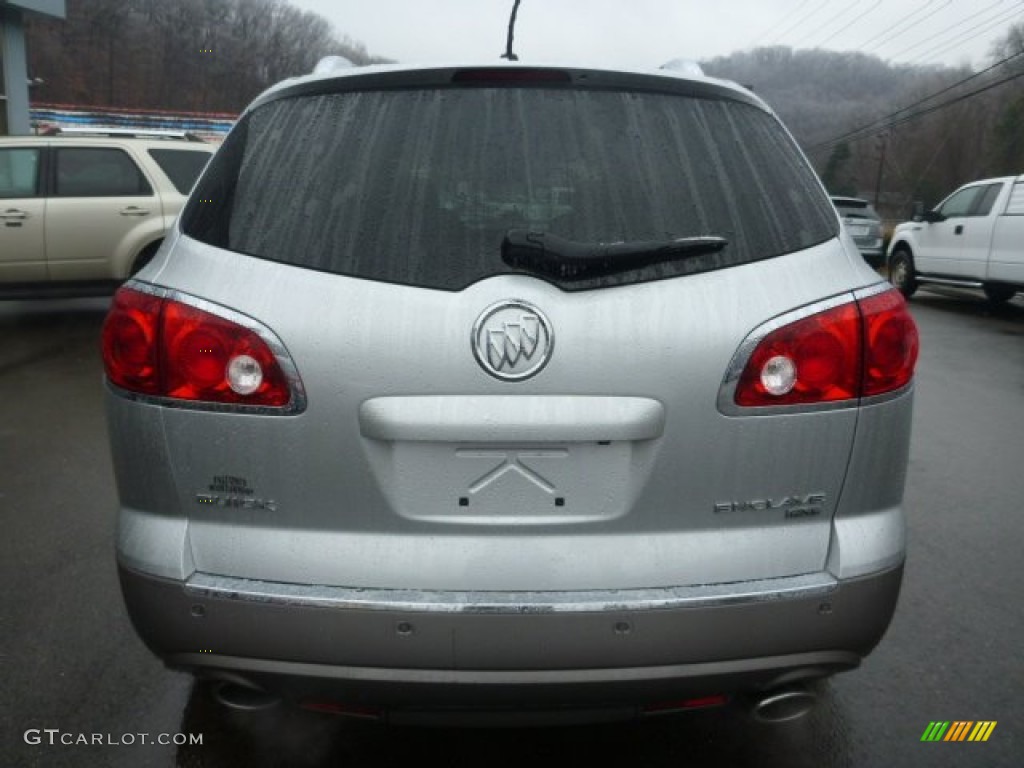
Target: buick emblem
[512,340]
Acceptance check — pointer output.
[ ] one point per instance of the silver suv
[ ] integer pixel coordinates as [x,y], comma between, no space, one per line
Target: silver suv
[82,210]
[864,225]
[465,392]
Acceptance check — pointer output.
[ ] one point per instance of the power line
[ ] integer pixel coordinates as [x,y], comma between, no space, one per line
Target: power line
[921,113]
[951,102]
[892,33]
[851,23]
[887,121]
[921,101]
[820,27]
[802,20]
[942,32]
[961,39]
[785,20]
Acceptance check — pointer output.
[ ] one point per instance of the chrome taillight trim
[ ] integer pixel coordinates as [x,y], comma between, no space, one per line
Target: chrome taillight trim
[295,405]
[873,290]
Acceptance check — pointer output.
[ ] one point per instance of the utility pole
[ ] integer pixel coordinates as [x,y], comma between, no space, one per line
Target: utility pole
[882,141]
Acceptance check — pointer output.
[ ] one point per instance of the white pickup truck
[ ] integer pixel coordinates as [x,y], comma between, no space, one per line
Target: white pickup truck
[972,239]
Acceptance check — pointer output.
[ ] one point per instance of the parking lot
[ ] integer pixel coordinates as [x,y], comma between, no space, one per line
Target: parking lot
[71,662]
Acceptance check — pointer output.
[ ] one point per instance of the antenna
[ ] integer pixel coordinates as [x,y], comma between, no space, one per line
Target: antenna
[511,34]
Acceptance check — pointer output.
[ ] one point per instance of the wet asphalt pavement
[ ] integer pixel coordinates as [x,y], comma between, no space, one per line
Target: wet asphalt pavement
[70,661]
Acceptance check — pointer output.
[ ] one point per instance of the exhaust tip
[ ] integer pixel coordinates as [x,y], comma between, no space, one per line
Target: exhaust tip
[784,705]
[246,698]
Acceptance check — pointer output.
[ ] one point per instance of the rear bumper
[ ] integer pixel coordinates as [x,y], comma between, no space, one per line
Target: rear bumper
[536,650]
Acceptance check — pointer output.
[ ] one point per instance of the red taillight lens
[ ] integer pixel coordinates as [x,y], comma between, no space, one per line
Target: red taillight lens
[130,338]
[859,349]
[819,357]
[891,343]
[199,349]
[162,347]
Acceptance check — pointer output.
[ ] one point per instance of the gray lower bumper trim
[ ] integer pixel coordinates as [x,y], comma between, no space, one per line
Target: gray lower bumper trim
[779,630]
[704,596]
[821,660]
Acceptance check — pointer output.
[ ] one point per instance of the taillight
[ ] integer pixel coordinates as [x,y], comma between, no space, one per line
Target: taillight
[861,348]
[814,360]
[130,341]
[160,346]
[890,343]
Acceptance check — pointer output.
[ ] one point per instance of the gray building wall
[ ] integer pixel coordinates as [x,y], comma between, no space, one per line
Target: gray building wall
[14,84]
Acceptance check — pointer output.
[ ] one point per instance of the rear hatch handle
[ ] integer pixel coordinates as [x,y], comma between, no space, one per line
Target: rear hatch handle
[511,418]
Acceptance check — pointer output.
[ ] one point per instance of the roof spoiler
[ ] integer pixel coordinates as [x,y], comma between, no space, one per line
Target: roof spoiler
[687,67]
[329,64]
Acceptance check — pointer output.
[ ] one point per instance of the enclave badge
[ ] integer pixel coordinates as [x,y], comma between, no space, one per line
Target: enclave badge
[806,505]
[512,340]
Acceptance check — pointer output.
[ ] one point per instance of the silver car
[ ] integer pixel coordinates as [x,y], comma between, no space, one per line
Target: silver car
[510,393]
[864,226]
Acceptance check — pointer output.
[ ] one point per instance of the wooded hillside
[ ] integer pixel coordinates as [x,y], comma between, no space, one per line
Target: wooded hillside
[192,55]
[907,133]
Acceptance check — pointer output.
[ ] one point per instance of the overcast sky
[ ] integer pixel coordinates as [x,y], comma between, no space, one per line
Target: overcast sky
[647,33]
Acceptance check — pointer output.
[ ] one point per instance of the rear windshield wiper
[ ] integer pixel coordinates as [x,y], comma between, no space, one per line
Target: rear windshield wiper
[548,254]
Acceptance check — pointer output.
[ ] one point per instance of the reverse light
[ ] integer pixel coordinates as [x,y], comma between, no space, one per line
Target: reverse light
[244,374]
[161,345]
[861,348]
[778,377]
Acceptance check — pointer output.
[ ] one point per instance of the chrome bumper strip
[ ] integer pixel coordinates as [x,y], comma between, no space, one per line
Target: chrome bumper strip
[598,601]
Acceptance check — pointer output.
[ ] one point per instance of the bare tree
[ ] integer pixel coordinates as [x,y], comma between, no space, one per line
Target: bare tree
[201,55]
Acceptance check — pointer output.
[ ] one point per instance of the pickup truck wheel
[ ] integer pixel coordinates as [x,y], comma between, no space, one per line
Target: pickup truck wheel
[901,272]
[999,294]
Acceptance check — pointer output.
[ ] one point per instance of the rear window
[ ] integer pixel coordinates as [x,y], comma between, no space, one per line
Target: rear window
[419,187]
[181,166]
[854,209]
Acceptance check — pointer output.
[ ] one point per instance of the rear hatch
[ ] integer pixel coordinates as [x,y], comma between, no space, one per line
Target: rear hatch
[550,420]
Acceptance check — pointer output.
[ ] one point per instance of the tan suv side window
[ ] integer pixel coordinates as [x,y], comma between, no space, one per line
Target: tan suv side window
[19,173]
[98,172]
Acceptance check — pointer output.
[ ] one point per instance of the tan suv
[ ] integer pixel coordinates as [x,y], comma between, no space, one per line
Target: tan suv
[80,213]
